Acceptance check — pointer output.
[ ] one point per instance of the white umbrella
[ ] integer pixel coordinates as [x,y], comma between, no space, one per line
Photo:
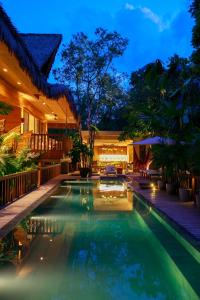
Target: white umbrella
[157,140]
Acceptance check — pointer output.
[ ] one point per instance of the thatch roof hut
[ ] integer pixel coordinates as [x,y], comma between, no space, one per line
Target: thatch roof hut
[35,53]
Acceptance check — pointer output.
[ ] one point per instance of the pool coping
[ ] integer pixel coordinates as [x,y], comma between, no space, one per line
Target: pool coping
[12,214]
[188,236]
[15,212]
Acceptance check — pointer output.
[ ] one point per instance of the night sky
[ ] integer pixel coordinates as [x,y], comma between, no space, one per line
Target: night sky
[155,28]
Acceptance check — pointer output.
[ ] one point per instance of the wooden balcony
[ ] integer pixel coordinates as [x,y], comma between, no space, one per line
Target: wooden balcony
[50,146]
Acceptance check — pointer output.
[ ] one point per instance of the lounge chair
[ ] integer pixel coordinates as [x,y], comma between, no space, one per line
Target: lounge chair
[153,173]
[110,170]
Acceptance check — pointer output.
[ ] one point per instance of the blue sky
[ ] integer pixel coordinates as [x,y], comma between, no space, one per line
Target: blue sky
[155,28]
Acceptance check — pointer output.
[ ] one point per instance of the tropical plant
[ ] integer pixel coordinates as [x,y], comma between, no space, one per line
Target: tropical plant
[80,152]
[10,162]
[5,108]
[194,10]
[174,166]
[27,160]
[7,158]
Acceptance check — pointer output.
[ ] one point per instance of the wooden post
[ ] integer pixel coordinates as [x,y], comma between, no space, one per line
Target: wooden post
[193,186]
[39,173]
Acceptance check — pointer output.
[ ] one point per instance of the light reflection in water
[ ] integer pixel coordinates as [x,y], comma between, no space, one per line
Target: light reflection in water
[83,246]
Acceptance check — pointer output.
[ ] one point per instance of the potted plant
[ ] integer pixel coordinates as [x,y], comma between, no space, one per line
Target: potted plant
[161,184]
[163,160]
[197,199]
[184,190]
[84,160]
[80,154]
[170,188]
[194,165]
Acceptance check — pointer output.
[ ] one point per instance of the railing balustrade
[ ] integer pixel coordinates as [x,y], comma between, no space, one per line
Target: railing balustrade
[47,173]
[14,186]
[49,142]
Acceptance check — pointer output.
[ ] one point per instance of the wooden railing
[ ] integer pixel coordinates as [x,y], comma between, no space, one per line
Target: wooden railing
[47,173]
[14,186]
[44,225]
[48,142]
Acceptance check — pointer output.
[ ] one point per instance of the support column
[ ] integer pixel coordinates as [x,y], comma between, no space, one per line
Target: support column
[39,174]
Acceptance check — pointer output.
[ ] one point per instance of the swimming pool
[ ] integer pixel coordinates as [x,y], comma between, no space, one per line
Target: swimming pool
[93,240]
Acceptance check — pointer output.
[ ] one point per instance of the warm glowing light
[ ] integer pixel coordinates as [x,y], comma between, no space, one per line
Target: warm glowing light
[20,244]
[19,255]
[50,240]
[153,187]
[113,157]
[110,188]
[41,258]
[50,117]
[43,103]
[5,70]
[19,83]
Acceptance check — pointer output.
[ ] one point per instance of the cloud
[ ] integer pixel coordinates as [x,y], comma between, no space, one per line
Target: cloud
[149,14]
[154,18]
[152,37]
[129,6]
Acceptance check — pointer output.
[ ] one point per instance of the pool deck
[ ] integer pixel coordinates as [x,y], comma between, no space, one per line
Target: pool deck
[184,214]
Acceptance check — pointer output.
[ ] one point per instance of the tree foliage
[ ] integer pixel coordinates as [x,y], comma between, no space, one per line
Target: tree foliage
[164,101]
[87,68]
[195,12]
[155,105]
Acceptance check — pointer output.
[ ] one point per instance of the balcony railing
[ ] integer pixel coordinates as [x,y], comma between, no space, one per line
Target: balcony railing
[47,142]
[47,173]
[14,186]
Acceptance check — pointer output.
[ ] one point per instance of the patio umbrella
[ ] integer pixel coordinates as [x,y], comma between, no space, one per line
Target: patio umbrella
[157,140]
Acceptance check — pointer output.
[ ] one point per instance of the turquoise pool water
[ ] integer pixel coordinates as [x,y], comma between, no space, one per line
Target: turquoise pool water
[94,241]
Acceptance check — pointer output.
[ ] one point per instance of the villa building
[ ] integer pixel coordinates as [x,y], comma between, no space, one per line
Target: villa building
[40,110]
[109,150]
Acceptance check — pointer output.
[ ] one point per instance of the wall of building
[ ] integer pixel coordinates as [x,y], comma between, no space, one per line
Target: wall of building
[13,119]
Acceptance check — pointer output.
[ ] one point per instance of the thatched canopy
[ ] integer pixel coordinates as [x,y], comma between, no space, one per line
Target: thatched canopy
[20,46]
[43,48]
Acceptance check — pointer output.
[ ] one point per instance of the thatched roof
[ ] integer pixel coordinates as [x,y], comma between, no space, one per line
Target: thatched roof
[16,45]
[43,48]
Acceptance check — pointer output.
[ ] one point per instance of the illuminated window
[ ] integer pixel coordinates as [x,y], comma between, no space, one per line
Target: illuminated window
[113,157]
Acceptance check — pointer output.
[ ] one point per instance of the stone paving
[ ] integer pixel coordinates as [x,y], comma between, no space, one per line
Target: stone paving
[184,214]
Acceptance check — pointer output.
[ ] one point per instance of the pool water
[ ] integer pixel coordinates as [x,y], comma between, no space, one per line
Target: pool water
[93,240]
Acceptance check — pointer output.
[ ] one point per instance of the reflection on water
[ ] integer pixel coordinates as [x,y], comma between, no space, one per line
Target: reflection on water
[87,242]
[112,196]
